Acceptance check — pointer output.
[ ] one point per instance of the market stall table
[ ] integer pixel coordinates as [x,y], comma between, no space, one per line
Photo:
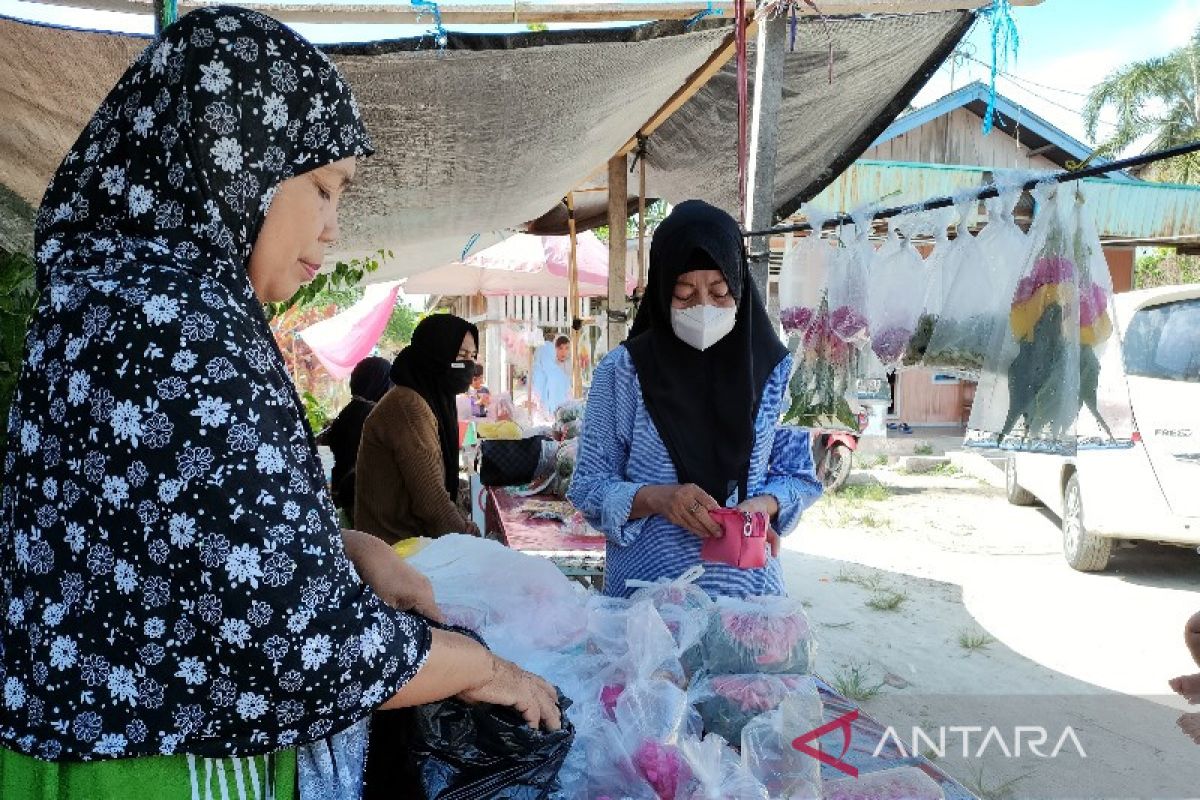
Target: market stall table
[507,520]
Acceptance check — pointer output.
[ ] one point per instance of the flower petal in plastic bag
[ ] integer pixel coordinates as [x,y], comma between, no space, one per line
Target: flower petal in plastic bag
[758,634]
[901,783]
[727,703]
[769,754]
[897,293]
[717,772]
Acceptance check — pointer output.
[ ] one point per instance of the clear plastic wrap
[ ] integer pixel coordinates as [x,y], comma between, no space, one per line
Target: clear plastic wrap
[758,635]
[683,606]
[901,783]
[770,756]
[941,269]
[848,283]
[568,420]
[1095,315]
[564,466]
[973,310]
[1029,390]
[727,703]
[898,281]
[717,773]
[804,275]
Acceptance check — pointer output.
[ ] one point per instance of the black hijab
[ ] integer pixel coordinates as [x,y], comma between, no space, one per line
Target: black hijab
[703,403]
[371,378]
[425,366]
[166,535]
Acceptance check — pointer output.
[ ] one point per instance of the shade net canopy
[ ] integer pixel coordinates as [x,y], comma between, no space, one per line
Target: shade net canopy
[489,134]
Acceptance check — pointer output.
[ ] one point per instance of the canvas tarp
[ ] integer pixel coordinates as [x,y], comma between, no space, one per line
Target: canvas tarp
[491,132]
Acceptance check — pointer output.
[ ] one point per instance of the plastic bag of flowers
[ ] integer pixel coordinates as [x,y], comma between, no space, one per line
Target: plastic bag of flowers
[768,634]
[898,280]
[1029,390]
[727,703]
[770,756]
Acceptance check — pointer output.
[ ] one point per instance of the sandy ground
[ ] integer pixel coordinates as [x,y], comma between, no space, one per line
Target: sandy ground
[955,608]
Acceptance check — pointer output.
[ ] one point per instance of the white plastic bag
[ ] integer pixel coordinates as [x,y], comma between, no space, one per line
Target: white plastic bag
[897,292]
[768,634]
[972,310]
[683,606]
[717,772]
[1029,390]
[941,267]
[804,275]
[727,703]
[769,754]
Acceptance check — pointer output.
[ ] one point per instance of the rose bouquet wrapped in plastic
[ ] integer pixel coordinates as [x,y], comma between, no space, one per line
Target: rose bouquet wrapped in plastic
[727,703]
[757,635]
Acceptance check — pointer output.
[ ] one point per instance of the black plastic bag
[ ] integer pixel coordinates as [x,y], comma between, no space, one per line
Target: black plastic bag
[510,462]
[450,750]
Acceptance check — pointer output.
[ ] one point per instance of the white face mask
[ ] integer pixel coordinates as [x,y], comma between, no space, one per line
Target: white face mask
[703,326]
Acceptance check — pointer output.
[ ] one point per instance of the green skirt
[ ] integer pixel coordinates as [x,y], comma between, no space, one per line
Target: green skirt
[184,777]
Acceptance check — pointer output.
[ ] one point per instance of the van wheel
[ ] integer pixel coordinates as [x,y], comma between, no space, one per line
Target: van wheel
[1084,551]
[1018,495]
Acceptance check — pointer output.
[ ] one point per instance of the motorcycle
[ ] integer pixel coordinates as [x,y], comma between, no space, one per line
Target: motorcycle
[833,455]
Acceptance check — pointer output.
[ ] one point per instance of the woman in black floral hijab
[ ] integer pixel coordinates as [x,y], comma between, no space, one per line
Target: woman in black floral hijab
[172,577]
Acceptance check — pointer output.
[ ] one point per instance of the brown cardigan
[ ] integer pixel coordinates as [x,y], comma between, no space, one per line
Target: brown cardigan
[401,489]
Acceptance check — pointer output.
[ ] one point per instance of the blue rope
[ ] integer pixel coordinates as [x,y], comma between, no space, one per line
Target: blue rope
[1005,42]
[708,12]
[440,35]
[467,249]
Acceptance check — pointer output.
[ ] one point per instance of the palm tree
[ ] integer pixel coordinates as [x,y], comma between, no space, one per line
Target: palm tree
[1158,98]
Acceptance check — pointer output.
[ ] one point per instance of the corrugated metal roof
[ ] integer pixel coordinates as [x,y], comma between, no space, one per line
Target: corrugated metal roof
[1133,213]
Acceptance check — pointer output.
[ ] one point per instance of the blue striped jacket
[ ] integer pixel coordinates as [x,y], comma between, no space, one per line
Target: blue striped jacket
[620,451]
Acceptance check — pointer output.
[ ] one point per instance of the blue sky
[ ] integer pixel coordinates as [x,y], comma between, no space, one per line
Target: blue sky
[1066,46]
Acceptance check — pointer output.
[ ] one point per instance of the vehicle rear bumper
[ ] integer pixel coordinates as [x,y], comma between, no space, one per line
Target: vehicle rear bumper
[1170,529]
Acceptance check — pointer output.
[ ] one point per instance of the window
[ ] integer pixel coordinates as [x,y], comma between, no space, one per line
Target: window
[1163,342]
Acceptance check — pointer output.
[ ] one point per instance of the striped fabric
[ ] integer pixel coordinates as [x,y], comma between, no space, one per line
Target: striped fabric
[621,451]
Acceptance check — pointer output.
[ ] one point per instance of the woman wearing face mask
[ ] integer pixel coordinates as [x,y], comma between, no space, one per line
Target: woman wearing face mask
[682,418]
[407,476]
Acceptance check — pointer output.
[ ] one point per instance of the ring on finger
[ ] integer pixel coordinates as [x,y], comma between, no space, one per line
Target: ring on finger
[695,507]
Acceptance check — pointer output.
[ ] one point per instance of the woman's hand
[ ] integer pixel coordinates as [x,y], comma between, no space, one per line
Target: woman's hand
[769,505]
[393,579]
[510,686]
[684,505]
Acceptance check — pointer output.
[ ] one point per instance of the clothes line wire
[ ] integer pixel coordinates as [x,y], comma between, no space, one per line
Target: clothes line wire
[993,190]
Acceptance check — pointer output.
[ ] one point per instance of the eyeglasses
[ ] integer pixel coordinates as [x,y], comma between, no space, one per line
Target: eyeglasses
[467,355]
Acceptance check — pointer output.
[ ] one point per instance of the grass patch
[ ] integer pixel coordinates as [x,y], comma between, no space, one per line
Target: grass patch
[986,791]
[974,640]
[887,601]
[872,492]
[871,521]
[872,583]
[923,449]
[854,683]
[875,462]
[945,470]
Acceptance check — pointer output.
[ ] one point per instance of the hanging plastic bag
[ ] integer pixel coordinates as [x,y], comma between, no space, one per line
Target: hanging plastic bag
[568,420]
[1028,396]
[770,755]
[897,279]
[940,270]
[717,773]
[901,783]
[823,363]
[970,313]
[848,283]
[1095,317]
[768,634]
[727,703]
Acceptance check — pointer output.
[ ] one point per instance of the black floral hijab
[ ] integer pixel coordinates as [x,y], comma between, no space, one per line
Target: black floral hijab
[172,576]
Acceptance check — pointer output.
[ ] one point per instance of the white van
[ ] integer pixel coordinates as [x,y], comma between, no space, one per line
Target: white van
[1143,480]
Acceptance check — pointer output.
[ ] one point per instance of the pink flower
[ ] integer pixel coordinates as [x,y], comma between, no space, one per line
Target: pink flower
[1047,271]
[1093,303]
[795,319]
[608,698]
[772,638]
[662,767]
[754,693]
[889,343]
[847,324]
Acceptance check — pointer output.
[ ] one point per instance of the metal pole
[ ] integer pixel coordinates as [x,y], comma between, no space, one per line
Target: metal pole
[770,49]
[618,246]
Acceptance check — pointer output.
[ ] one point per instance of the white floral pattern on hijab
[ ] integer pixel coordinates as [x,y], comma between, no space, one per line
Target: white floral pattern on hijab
[172,576]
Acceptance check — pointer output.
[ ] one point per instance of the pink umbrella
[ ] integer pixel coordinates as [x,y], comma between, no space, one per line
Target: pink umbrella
[523,265]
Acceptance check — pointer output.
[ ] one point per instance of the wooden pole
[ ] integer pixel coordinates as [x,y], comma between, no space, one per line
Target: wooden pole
[770,47]
[573,300]
[641,284]
[618,246]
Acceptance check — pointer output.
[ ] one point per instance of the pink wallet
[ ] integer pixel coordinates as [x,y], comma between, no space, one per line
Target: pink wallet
[744,543]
